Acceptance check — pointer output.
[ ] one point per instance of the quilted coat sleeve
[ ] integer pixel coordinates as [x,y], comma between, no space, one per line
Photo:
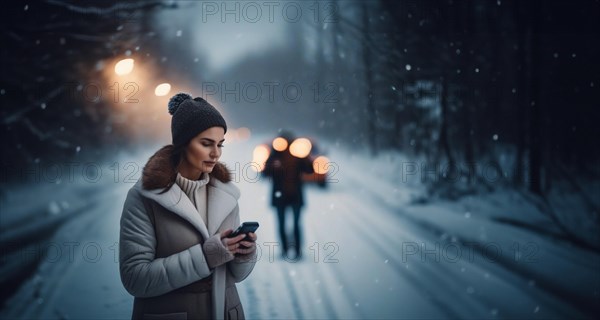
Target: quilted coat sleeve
[141,274]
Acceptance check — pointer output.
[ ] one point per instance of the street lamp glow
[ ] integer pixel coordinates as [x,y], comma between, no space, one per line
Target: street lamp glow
[124,67]
[162,89]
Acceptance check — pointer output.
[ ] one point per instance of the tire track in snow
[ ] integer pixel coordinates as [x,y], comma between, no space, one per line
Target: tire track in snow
[396,266]
[323,290]
[293,295]
[509,277]
[336,275]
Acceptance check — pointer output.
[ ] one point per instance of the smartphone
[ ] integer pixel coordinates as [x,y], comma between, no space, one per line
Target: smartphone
[246,227]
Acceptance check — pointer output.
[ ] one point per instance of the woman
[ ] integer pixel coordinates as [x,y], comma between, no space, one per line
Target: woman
[174,254]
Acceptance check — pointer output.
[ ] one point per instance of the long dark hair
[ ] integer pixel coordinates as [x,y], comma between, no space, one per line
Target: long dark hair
[175,160]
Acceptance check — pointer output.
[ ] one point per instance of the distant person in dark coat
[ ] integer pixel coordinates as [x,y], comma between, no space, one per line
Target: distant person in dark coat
[286,172]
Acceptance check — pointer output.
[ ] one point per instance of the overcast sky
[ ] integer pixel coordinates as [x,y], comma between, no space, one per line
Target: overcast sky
[218,37]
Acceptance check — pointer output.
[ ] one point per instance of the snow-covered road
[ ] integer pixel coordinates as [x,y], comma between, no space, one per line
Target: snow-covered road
[362,259]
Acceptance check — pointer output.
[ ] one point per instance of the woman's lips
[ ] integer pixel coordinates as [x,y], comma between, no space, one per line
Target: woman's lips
[212,163]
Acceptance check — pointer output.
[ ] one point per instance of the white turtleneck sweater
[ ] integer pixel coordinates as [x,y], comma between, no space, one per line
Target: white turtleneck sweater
[197,192]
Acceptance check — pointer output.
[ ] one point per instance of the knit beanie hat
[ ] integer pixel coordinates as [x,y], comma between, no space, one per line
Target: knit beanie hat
[192,116]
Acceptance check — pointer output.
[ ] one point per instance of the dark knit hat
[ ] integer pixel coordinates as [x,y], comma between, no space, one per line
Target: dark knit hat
[192,116]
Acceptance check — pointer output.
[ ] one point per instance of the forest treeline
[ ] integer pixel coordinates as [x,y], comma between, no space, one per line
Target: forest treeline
[509,85]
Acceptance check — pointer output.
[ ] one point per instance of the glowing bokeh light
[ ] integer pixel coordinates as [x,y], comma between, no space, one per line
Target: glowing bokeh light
[124,67]
[300,148]
[260,156]
[162,89]
[243,133]
[321,165]
[280,144]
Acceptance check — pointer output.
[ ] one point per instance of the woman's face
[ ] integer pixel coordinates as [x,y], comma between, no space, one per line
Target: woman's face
[203,151]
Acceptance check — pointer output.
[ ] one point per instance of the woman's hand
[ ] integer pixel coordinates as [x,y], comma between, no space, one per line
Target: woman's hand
[232,244]
[248,245]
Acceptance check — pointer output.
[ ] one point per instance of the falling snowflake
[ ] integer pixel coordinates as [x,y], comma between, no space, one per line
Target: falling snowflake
[53,208]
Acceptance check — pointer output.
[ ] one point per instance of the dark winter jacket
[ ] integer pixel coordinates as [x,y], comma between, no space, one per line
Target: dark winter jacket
[286,173]
[170,261]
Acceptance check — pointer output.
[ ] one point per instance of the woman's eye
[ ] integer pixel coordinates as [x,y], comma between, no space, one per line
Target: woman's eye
[210,144]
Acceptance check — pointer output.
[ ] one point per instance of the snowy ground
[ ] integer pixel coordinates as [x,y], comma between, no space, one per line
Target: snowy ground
[369,253]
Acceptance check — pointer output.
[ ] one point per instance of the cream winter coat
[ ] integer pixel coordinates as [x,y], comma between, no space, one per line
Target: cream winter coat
[166,252]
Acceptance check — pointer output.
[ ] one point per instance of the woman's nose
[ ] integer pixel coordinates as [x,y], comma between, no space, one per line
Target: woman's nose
[215,152]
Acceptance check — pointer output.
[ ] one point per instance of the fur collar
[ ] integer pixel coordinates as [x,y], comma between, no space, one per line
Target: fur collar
[159,173]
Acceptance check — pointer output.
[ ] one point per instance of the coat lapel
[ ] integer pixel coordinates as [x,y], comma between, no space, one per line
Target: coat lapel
[220,205]
[222,199]
[177,202]
[222,195]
